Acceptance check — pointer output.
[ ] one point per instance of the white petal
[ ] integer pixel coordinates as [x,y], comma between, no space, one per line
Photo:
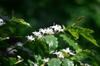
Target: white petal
[30,38]
[37,34]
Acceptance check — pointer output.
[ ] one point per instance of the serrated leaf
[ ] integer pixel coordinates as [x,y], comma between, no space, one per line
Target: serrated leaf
[67,62]
[54,62]
[90,38]
[86,33]
[71,42]
[74,32]
[51,41]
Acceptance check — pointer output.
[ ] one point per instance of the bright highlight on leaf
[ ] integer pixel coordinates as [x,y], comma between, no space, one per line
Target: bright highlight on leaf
[20,21]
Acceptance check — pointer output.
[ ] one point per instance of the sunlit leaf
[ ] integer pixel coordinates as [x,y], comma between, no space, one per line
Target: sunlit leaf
[74,32]
[20,21]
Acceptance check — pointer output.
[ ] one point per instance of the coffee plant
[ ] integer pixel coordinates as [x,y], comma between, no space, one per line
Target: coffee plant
[56,45]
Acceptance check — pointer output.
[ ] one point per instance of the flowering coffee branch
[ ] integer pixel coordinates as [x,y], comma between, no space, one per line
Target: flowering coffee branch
[46,31]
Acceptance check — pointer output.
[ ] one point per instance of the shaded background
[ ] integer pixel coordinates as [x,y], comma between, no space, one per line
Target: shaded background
[43,13]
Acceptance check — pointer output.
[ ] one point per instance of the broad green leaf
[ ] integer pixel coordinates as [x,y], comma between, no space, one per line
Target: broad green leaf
[67,62]
[71,42]
[20,21]
[54,62]
[51,41]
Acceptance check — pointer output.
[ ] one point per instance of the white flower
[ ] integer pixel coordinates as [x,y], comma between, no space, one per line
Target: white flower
[67,50]
[49,31]
[43,31]
[46,60]
[30,38]
[1,22]
[59,54]
[57,28]
[46,31]
[19,44]
[37,34]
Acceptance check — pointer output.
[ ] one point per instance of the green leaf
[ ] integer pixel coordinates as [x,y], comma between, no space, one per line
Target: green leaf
[54,62]
[67,62]
[81,55]
[86,33]
[12,61]
[20,21]
[30,62]
[51,41]
[71,42]
[74,32]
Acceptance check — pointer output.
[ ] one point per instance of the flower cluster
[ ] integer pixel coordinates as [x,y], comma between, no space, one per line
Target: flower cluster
[46,31]
[1,22]
[60,54]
